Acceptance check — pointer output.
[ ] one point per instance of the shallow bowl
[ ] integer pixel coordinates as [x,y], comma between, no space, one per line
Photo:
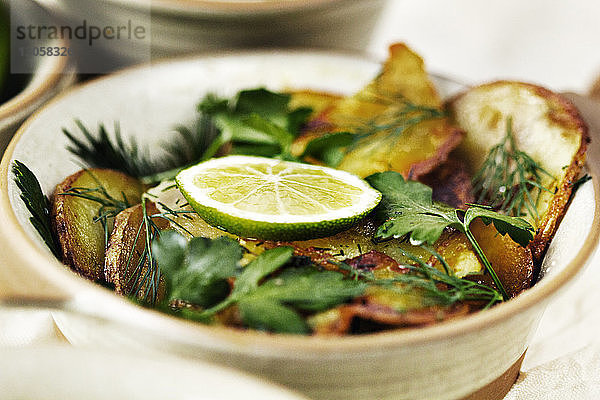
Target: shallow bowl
[476,356]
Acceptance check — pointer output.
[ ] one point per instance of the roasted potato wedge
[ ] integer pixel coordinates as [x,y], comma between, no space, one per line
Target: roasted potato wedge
[383,307]
[451,183]
[319,102]
[374,315]
[399,120]
[545,126]
[512,263]
[125,265]
[82,240]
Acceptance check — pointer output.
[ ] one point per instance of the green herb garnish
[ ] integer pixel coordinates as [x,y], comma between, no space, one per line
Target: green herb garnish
[509,179]
[104,150]
[330,147]
[408,210]
[442,288]
[256,122]
[37,203]
[197,270]
[268,295]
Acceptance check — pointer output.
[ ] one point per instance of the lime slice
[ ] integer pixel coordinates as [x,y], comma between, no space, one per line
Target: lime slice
[265,198]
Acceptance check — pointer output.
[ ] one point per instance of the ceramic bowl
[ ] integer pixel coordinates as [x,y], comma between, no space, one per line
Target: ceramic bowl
[187,26]
[477,356]
[65,372]
[30,91]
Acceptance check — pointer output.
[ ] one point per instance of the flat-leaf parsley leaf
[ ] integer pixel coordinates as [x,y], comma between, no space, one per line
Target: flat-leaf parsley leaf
[408,209]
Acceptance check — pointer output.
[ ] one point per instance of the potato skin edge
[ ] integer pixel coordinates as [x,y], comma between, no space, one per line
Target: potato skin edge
[61,230]
[557,208]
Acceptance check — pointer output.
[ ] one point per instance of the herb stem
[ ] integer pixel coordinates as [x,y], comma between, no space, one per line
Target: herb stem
[160,176]
[486,262]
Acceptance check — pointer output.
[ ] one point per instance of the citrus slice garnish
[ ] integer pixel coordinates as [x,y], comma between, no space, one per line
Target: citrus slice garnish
[271,199]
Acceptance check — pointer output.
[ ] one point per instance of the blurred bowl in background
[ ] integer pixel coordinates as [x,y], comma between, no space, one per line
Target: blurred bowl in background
[22,94]
[188,25]
[191,26]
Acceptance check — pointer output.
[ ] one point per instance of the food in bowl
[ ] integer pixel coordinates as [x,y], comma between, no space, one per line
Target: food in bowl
[262,237]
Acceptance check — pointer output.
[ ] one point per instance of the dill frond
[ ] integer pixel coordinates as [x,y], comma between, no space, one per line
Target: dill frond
[509,180]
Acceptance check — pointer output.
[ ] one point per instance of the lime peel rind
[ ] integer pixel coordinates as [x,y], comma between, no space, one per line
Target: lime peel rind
[279,226]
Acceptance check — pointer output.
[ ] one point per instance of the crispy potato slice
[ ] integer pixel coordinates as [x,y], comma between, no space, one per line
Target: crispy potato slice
[381,307]
[545,126]
[451,183]
[81,239]
[319,101]
[124,255]
[399,117]
[370,316]
[512,263]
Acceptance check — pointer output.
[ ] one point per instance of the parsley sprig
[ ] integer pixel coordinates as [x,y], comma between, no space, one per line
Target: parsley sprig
[269,293]
[256,122]
[408,210]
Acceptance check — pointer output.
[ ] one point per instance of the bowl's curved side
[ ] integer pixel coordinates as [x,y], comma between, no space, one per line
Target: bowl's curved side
[450,367]
[467,353]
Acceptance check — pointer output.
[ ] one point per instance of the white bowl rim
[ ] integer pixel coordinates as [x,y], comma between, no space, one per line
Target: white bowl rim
[279,345]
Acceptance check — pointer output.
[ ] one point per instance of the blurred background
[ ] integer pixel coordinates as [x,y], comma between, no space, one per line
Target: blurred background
[554,43]
[549,42]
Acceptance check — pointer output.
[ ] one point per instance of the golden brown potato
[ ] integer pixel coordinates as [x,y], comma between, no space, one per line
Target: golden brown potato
[81,239]
[400,119]
[451,183]
[318,101]
[372,315]
[512,263]
[125,264]
[321,103]
[545,126]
